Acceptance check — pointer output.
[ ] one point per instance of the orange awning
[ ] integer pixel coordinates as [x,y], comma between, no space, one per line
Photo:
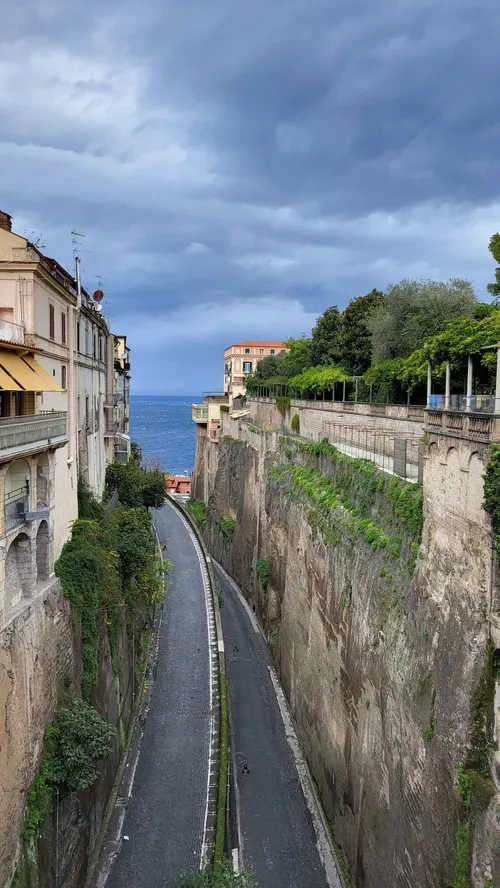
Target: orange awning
[7,384]
[25,375]
[49,384]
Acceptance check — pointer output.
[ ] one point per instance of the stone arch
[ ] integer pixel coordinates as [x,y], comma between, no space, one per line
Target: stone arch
[43,482]
[475,487]
[19,572]
[17,492]
[42,552]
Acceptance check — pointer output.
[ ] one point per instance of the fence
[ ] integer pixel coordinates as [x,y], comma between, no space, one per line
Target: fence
[397,455]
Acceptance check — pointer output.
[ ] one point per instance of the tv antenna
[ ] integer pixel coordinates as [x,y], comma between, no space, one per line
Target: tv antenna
[99,278]
[75,242]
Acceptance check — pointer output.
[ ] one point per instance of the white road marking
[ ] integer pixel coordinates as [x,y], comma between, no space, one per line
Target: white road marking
[236,863]
[323,838]
[211,669]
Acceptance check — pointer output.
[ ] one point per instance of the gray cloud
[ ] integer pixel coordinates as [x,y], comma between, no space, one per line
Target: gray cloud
[237,167]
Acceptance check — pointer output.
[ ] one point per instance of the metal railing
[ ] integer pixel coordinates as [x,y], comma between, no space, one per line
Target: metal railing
[11,332]
[16,504]
[18,433]
[111,399]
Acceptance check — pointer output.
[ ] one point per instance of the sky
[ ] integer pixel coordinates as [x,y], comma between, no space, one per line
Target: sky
[236,167]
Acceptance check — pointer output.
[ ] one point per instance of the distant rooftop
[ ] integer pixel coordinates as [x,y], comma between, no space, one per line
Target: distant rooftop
[262,342]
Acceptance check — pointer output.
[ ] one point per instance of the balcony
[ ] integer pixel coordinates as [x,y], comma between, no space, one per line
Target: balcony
[199,413]
[20,435]
[16,505]
[11,332]
[476,426]
[112,399]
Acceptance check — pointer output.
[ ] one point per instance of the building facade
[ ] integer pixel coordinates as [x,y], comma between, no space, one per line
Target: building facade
[64,409]
[38,464]
[241,359]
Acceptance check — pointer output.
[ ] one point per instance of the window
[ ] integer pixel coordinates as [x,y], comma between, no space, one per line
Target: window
[78,336]
[100,348]
[247,366]
[52,325]
[247,351]
[87,350]
[63,376]
[273,351]
[94,352]
[261,351]
[87,417]
[63,327]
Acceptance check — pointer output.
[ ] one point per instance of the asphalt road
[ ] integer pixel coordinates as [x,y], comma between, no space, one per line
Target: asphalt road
[166,813]
[278,838]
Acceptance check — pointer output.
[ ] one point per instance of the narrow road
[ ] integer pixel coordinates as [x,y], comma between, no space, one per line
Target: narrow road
[166,816]
[278,840]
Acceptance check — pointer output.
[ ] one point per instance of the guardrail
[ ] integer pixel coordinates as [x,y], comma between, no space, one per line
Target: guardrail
[478,426]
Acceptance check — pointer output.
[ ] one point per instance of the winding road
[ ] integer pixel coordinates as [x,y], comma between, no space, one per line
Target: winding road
[165,823]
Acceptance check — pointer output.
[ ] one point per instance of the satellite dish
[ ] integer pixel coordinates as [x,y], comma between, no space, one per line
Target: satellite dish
[98,308]
[97,295]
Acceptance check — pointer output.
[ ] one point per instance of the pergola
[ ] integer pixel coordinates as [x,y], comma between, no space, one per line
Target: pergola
[468,394]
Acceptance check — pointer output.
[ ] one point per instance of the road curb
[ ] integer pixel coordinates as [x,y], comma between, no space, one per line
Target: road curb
[222,797]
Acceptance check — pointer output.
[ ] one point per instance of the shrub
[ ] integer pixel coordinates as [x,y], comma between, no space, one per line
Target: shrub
[75,741]
[263,569]
[198,510]
[295,424]
[221,877]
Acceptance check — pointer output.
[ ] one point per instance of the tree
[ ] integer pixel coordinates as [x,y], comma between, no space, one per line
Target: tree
[268,367]
[355,337]
[298,357]
[414,310]
[325,346]
[494,248]
[318,379]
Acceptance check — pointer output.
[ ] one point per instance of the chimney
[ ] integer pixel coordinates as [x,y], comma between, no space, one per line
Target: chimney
[5,221]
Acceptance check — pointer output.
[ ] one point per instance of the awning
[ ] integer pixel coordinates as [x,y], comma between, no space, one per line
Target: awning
[7,383]
[49,384]
[238,414]
[24,374]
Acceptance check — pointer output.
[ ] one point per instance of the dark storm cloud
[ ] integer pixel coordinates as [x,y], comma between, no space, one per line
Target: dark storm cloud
[238,166]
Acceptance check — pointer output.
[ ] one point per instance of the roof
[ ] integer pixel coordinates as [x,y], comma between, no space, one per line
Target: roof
[262,342]
[178,477]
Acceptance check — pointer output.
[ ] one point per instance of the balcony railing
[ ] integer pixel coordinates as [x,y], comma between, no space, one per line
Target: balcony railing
[21,434]
[16,505]
[111,399]
[11,332]
[464,425]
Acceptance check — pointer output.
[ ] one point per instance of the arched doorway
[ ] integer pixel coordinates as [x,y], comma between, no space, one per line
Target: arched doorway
[19,570]
[42,553]
[17,492]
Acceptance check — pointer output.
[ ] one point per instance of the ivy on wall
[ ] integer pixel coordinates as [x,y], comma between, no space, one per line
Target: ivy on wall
[354,499]
[492,494]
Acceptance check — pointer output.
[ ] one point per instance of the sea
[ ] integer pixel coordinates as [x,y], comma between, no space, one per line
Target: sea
[162,425]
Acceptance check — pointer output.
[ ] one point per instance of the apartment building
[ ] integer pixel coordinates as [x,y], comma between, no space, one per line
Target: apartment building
[95,383]
[241,359]
[117,433]
[38,466]
[64,408]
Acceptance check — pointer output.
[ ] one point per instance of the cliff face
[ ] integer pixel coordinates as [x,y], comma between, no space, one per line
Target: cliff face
[40,657]
[380,632]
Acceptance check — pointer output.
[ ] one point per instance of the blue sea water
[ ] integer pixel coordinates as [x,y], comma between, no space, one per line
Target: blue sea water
[163,426]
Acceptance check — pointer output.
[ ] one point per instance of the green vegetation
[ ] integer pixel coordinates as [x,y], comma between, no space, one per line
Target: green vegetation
[110,569]
[353,498]
[197,510]
[263,568]
[283,405]
[75,741]
[494,248]
[461,871]
[224,408]
[136,486]
[428,731]
[492,494]
[318,379]
[295,424]
[228,526]
[217,877]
